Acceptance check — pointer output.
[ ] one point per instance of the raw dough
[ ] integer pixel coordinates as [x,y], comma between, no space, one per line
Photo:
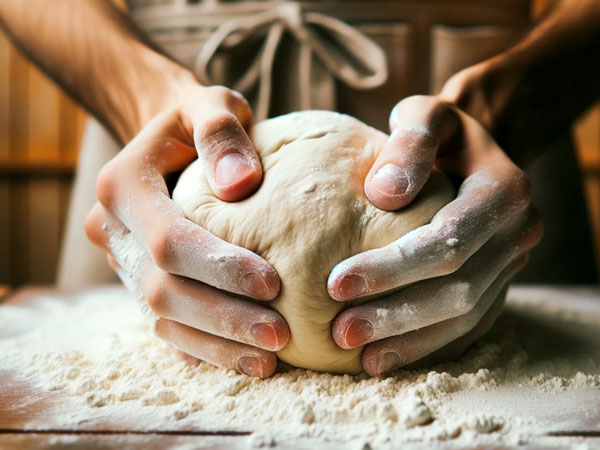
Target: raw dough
[309,214]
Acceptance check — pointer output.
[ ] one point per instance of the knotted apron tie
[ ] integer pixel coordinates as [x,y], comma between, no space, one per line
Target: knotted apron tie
[341,51]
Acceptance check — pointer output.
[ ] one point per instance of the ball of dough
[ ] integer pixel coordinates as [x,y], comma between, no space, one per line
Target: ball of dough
[309,214]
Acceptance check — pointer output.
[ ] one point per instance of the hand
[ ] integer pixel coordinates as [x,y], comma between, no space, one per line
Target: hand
[453,271]
[187,276]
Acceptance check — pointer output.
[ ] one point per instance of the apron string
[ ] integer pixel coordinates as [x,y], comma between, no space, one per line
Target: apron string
[343,51]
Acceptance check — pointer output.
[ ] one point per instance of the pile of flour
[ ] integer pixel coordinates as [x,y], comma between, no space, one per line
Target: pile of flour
[540,363]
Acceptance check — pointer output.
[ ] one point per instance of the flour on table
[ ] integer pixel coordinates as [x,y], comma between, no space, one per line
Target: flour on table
[538,363]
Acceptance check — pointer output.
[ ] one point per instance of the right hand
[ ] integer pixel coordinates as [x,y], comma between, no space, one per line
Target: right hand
[187,276]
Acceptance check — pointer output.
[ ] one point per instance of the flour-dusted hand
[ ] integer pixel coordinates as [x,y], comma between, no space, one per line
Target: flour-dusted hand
[453,271]
[187,275]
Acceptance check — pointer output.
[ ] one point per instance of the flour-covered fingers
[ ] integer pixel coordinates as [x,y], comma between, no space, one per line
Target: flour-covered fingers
[100,225]
[208,309]
[404,164]
[437,299]
[392,353]
[486,201]
[216,350]
[112,262]
[459,346]
[181,299]
[229,160]
[132,188]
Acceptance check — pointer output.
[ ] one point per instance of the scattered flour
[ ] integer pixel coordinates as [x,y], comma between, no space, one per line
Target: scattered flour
[537,369]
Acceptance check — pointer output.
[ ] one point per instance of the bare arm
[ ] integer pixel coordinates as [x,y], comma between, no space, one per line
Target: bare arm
[532,93]
[93,51]
[167,120]
[525,98]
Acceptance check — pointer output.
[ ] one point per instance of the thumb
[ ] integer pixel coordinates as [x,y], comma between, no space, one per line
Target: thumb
[229,160]
[406,160]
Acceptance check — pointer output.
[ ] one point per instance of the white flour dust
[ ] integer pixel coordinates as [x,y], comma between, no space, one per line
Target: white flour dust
[535,372]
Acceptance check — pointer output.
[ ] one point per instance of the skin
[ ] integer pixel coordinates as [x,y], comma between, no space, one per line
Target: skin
[454,271]
[167,118]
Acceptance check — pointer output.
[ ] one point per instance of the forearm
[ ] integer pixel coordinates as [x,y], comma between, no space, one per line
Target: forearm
[90,48]
[532,93]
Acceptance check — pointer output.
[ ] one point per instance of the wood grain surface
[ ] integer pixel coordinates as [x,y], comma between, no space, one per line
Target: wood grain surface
[27,420]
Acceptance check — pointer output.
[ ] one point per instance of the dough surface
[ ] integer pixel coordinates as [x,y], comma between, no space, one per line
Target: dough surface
[309,214]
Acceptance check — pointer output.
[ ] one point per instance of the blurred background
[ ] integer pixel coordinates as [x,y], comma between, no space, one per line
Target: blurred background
[40,135]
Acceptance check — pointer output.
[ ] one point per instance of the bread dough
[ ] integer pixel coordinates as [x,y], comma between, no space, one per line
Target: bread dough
[309,214]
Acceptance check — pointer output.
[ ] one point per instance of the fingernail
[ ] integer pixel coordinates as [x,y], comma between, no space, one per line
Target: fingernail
[250,365]
[231,168]
[352,286]
[390,180]
[358,332]
[265,335]
[255,285]
[388,362]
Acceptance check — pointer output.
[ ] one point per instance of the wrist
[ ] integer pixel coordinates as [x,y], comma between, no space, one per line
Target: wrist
[483,90]
[158,83]
[494,92]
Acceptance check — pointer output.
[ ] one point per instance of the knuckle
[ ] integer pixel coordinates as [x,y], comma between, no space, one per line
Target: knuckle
[218,91]
[162,329]
[162,248]
[451,250]
[235,101]
[532,231]
[451,262]
[112,262]
[156,291]
[465,296]
[213,132]
[93,228]
[105,184]
[521,188]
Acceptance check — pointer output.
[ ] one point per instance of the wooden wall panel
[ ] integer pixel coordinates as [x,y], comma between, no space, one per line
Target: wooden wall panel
[5,232]
[587,138]
[43,115]
[4,98]
[40,132]
[43,228]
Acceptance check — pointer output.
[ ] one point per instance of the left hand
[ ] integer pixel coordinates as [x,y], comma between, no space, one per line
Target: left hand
[455,270]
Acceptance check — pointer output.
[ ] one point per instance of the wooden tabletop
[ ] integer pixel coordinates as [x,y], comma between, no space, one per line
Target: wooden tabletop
[25,421]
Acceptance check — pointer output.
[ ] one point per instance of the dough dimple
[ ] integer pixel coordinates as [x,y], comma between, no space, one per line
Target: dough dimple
[309,214]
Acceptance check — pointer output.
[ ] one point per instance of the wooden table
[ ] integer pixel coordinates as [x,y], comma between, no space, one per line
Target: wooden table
[25,423]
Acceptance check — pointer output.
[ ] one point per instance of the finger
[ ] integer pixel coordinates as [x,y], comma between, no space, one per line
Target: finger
[386,355]
[381,358]
[184,300]
[132,188]
[485,202]
[99,223]
[459,346]
[216,350]
[229,160]
[112,262]
[404,164]
[208,309]
[440,298]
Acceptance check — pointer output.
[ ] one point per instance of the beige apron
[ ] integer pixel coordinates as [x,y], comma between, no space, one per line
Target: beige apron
[356,57]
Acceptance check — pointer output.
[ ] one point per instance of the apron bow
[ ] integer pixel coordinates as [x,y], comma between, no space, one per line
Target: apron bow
[328,48]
